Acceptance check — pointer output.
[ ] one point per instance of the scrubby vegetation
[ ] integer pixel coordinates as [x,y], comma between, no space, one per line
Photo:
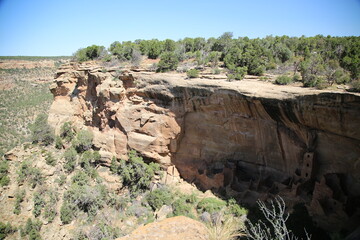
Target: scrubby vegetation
[6,229]
[30,174]
[135,173]
[31,229]
[192,73]
[283,80]
[22,98]
[89,53]
[82,141]
[41,131]
[82,197]
[321,60]
[4,171]
[19,198]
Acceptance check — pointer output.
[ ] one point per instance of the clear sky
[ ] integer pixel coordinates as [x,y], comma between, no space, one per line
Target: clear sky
[60,27]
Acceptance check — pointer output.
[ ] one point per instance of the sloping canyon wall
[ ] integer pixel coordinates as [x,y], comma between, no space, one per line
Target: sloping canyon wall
[247,139]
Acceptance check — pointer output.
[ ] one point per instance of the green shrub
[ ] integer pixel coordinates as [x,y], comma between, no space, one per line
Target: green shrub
[216,71]
[159,197]
[118,202]
[80,55]
[135,174]
[168,62]
[258,70]
[234,209]
[80,178]
[6,229]
[237,73]
[61,180]
[67,132]
[89,53]
[29,173]
[85,198]
[191,198]
[341,77]
[240,73]
[67,213]
[19,198]
[114,165]
[230,76]
[356,85]
[50,206]
[58,142]
[192,73]
[4,171]
[83,141]
[271,65]
[211,205]
[296,78]
[283,80]
[264,78]
[50,160]
[41,132]
[154,48]
[182,208]
[32,229]
[213,58]
[313,81]
[70,156]
[89,159]
[39,203]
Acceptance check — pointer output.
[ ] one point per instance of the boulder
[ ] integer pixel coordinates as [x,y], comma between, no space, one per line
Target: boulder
[162,213]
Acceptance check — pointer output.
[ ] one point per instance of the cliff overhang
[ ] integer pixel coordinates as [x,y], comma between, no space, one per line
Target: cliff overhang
[248,138]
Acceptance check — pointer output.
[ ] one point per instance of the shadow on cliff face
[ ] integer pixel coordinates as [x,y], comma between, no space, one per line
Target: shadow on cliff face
[305,149]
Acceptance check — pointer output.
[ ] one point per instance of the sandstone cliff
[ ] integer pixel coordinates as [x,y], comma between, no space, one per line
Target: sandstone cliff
[248,138]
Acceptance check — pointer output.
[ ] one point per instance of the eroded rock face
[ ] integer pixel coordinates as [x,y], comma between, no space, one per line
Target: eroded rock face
[247,138]
[106,102]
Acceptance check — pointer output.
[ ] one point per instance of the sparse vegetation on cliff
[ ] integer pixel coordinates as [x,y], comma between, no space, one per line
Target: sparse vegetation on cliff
[4,171]
[135,174]
[6,229]
[41,131]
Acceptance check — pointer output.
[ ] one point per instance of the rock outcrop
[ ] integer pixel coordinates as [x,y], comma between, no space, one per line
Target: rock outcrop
[170,229]
[248,138]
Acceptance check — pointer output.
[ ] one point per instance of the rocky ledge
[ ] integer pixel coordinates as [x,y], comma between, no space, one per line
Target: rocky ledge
[248,139]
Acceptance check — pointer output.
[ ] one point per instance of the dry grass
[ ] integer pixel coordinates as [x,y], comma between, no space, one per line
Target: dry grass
[229,229]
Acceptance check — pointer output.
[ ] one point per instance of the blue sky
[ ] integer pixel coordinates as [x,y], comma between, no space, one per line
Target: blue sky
[53,28]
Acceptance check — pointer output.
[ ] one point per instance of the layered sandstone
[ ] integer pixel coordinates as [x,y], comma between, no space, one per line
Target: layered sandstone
[247,138]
